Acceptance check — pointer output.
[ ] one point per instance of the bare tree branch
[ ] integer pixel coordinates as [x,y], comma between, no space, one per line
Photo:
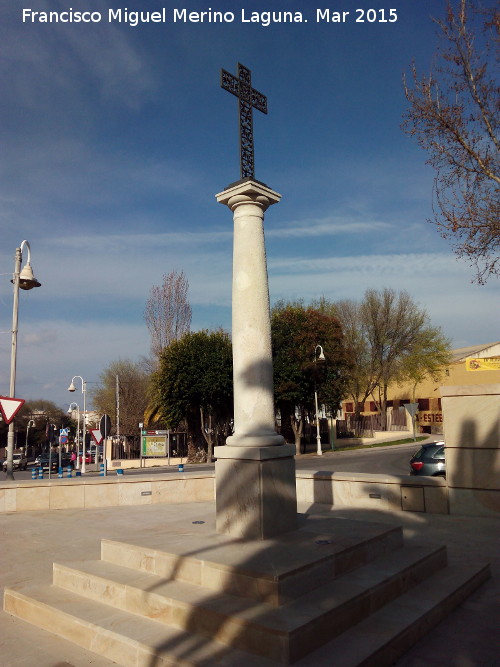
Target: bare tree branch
[167,312]
[390,338]
[454,115]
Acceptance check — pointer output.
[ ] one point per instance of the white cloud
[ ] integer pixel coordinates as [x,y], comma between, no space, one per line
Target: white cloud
[104,57]
[46,363]
[412,264]
[39,337]
[439,283]
[328,226]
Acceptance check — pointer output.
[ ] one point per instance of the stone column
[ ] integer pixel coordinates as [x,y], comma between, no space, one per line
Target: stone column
[255,471]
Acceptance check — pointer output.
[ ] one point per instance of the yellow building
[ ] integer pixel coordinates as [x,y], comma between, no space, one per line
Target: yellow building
[477,364]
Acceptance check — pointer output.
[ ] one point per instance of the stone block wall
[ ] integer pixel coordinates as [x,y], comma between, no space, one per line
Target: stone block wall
[472,435]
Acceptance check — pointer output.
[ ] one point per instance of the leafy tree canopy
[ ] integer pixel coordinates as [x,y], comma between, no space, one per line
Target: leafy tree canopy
[296,332]
[195,383]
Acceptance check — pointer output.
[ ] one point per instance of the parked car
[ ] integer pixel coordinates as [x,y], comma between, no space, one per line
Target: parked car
[429,460]
[42,461]
[89,458]
[19,461]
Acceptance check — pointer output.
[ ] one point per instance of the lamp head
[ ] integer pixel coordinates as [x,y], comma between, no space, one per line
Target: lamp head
[71,387]
[26,278]
[321,356]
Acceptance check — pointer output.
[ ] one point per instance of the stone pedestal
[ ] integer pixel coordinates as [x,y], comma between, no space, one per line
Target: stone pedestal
[255,471]
[255,491]
[471,417]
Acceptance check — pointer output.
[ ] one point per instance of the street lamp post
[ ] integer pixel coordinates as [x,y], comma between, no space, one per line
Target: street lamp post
[321,357]
[84,392]
[50,434]
[30,423]
[117,392]
[77,432]
[22,280]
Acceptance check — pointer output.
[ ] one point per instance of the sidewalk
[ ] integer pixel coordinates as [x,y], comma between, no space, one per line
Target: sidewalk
[33,540]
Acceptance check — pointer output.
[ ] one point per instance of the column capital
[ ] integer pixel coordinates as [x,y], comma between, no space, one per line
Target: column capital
[248,191]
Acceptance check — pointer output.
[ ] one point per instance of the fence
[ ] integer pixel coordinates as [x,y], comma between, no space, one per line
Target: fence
[178,444]
[125,447]
[363,426]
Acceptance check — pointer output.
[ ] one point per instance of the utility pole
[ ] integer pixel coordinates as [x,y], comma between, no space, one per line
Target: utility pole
[117,392]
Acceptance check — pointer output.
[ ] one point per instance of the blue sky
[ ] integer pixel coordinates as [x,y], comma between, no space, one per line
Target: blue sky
[116,138]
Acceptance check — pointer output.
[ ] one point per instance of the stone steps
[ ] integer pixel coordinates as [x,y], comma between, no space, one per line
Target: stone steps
[276,573]
[201,599]
[124,638]
[254,626]
[383,637]
[131,640]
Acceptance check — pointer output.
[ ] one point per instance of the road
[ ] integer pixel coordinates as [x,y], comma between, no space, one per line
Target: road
[391,460]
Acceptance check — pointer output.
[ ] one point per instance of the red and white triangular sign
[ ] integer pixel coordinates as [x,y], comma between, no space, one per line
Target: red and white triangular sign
[9,407]
[96,435]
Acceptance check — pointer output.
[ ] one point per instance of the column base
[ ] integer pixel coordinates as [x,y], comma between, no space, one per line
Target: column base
[272,439]
[256,496]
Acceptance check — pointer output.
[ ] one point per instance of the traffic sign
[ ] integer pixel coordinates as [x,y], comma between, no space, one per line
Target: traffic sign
[412,408]
[64,431]
[105,425]
[96,435]
[9,407]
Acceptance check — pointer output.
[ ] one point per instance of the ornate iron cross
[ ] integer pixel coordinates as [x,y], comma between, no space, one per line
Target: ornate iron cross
[248,98]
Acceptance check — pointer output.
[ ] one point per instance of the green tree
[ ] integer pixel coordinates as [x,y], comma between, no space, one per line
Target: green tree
[428,358]
[128,382]
[194,384]
[296,332]
[454,115]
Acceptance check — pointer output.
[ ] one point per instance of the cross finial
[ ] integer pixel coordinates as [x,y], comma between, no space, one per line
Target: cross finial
[248,98]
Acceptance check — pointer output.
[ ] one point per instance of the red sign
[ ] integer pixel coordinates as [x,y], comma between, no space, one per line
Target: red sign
[9,407]
[96,435]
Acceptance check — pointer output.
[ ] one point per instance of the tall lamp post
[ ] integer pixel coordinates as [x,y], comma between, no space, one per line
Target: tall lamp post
[51,428]
[21,280]
[84,392]
[70,411]
[30,423]
[321,357]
